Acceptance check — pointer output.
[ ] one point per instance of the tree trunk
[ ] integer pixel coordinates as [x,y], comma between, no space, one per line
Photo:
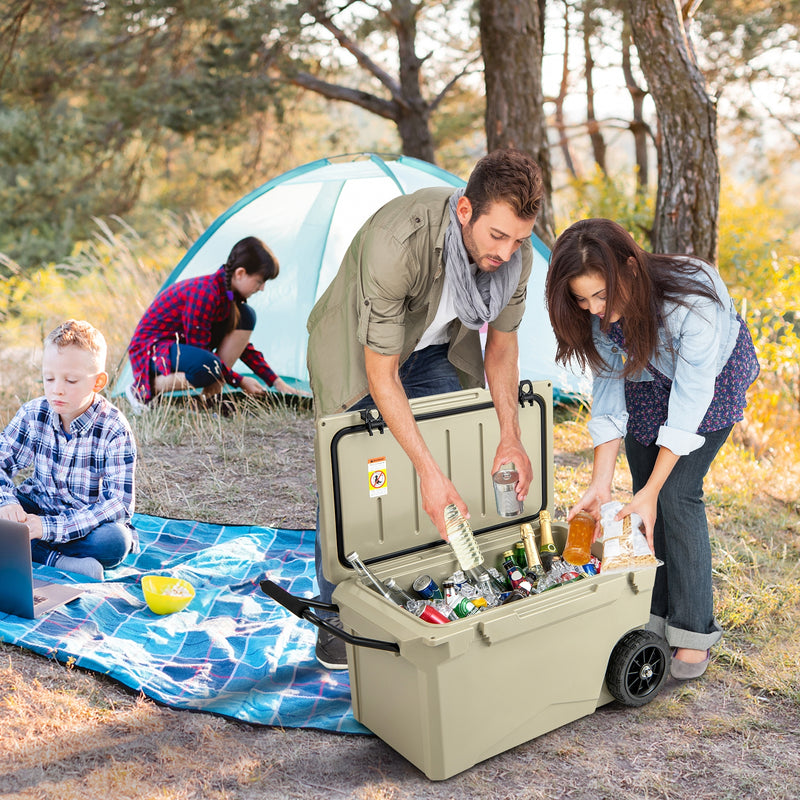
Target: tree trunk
[638,127]
[563,92]
[512,36]
[593,126]
[413,119]
[687,202]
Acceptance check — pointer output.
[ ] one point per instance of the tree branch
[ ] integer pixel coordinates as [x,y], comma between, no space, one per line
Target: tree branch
[361,57]
[12,29]
[383,108]
[439,97]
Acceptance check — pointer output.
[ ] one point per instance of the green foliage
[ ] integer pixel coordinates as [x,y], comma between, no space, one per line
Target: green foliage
[611,197]
[55,174]
[760,262]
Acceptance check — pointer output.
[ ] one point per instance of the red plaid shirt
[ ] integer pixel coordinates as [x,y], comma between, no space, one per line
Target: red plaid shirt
[185,312]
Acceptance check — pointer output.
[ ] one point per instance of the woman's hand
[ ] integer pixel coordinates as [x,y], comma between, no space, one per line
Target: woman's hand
[251,386]
[592,499]
[281,386]
[645,504]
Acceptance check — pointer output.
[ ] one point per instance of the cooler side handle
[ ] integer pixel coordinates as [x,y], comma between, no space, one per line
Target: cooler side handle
[301,607]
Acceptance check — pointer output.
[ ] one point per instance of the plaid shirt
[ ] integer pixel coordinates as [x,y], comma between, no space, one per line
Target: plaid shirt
[185,312]
[78,482]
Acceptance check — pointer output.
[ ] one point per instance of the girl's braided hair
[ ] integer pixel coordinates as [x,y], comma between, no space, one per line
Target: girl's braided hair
[255,258]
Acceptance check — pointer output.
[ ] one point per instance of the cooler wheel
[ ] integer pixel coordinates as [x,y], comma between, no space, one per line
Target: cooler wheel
[638,667]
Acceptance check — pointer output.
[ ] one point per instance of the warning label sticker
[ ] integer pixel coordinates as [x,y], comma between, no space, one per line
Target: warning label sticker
[376,469]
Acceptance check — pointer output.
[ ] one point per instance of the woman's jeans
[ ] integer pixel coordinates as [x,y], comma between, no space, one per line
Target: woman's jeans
[682,608]
[108,543]
[424,373]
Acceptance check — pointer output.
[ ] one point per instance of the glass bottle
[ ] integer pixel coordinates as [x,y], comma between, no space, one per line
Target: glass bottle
[487,585]
[578,549]
[518,580]
[520,556]
[547,548]
[400,596]
[369,578]
[535,569]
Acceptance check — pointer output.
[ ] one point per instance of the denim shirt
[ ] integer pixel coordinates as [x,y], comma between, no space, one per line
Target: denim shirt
[694,343]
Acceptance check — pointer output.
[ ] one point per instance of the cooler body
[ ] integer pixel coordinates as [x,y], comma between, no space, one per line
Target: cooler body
[460,692]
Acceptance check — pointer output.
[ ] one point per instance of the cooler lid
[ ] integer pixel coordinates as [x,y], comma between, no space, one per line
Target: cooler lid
[369,491]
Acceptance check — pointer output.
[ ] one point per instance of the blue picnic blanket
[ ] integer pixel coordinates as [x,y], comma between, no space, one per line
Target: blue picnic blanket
[232,651]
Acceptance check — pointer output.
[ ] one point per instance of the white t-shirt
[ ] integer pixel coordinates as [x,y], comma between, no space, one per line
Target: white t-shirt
[436,332]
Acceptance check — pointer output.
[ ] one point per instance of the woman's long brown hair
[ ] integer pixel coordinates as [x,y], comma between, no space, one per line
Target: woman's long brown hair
[637,285]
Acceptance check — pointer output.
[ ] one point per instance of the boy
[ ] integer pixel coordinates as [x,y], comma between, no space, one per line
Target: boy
[78,501]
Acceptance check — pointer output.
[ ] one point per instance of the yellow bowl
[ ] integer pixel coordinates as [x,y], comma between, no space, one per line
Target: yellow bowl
[165,595]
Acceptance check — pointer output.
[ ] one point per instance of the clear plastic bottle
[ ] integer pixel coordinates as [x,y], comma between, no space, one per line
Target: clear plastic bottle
[461,539]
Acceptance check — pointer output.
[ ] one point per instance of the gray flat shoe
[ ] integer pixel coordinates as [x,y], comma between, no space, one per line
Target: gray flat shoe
[684,671]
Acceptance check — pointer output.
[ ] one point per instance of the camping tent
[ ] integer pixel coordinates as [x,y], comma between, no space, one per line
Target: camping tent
[308,217]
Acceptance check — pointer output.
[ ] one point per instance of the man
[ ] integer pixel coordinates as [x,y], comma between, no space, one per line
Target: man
[401,319]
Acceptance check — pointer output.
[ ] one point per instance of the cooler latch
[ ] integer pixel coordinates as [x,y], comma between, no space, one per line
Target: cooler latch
[526,394]
[373,420]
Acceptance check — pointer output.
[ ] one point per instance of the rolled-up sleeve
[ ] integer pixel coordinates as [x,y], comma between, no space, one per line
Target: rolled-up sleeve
[384,283]
[609,412]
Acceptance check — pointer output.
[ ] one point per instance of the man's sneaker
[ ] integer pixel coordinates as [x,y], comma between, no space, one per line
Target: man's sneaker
[331,651]
[137,406]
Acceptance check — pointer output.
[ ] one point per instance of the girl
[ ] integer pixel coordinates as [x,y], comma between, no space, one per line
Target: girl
[671,361]
[195,330]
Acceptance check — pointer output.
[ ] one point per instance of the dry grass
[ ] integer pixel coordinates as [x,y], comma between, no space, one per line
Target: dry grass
[736,734]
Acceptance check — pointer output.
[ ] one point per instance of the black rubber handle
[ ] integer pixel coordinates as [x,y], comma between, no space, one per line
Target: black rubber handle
[301,607]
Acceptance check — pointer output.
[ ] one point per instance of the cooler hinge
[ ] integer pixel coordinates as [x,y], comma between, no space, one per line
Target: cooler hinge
[373,420]
[526,394]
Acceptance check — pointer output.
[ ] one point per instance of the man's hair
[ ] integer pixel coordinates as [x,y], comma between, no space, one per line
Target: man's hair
[79,333]
[506,176]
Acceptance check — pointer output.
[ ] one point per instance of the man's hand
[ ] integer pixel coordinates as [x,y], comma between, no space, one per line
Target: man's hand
[511,451]
[437,493]
[13,511]
[502,375]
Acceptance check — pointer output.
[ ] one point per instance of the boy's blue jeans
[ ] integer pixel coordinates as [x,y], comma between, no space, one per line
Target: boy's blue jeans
[424,373]
[108,543]
[682,607]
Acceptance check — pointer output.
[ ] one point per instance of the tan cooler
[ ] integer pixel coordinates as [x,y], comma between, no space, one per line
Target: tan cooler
[448,696]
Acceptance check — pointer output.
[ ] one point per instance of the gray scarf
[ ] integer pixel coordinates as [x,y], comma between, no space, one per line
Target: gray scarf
[478,298]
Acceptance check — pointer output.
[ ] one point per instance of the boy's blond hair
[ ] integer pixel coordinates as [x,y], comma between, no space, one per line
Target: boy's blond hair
[79,333]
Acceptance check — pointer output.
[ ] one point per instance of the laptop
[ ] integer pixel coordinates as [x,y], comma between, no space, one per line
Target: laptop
[20,594]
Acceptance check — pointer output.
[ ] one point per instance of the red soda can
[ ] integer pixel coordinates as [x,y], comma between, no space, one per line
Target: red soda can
[430,614]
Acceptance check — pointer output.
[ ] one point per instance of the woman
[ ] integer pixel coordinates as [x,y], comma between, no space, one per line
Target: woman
[671,361]
[196,329]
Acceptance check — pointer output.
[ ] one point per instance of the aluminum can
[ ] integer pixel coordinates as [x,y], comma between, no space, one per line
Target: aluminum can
[426,588]
[430,614]
[505,495]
